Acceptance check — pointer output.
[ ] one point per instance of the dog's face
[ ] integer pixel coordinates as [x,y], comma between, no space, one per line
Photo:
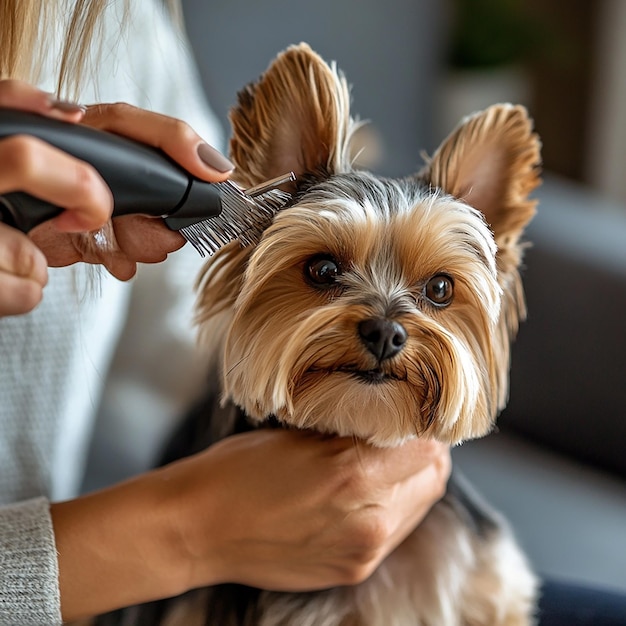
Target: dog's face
[372,307]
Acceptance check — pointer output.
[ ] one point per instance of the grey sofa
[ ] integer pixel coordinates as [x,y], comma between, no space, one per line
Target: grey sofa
[557,463]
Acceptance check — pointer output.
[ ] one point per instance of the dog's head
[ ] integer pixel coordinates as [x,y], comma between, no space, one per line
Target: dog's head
[372,307]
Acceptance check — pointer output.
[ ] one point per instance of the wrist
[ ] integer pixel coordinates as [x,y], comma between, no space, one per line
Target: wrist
[189,495]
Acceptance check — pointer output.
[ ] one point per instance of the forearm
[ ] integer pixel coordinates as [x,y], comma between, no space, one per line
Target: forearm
[116,548]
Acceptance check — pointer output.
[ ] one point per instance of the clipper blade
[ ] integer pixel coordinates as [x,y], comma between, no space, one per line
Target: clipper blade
[245,216]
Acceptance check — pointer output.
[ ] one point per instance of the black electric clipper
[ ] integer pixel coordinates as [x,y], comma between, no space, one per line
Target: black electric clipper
[144,180]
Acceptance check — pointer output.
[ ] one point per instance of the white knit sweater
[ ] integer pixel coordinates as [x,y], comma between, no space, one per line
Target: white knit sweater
[54,362]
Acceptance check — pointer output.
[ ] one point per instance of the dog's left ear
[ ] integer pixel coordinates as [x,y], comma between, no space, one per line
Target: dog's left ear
[491,162]
[295,118]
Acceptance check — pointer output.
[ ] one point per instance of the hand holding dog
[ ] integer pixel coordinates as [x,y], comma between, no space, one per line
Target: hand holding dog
[276,509]
[304,511]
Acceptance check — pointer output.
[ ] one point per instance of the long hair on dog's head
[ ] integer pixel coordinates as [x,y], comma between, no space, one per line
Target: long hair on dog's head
[380,308]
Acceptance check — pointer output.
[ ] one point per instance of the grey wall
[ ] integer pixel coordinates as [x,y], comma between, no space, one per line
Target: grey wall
[389,51]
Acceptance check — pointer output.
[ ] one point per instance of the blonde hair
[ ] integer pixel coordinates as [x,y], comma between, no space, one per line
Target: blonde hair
[27,28]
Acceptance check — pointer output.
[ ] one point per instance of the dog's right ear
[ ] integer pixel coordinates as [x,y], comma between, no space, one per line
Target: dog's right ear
[295,118]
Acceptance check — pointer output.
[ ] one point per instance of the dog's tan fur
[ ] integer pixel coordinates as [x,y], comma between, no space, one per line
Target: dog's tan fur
[297,117]
[288,347]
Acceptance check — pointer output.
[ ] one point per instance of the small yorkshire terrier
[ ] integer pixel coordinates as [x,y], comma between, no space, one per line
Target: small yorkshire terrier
[376,308]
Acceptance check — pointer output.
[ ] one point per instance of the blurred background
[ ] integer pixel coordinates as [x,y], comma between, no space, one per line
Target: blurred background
[557,463]
[417,66]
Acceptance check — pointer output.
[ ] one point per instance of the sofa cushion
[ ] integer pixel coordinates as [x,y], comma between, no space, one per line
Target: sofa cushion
[568,376]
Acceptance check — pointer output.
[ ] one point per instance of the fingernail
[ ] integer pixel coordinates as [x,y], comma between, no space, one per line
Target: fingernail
[65,106]
[209,155]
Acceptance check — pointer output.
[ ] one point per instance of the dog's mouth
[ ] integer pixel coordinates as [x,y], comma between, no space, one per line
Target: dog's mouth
[374,376]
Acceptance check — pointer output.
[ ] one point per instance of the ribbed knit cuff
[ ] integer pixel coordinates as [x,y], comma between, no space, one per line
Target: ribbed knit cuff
[29,588]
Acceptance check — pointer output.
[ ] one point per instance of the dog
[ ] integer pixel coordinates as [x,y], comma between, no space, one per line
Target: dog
[376,308]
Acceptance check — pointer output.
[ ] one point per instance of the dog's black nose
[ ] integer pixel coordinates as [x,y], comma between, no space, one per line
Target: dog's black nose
[382,337]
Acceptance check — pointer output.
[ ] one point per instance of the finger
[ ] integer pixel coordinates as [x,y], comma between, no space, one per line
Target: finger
[416,499]
[23,272]
[20,95]
[20,256]
[135,239]
[35,167]
[145,239]
[387,466]
[18,295]
[59,248]
[139,239]
[174,137]
[62,249]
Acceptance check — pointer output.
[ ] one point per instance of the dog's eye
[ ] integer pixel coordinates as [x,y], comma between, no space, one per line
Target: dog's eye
[439,290]
[322,270]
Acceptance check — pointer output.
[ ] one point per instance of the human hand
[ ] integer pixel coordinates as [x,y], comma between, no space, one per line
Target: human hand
[295,511]
[275,509]
[35,167]
[137,239]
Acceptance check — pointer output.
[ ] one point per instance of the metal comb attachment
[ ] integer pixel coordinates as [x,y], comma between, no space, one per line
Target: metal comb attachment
[245,215]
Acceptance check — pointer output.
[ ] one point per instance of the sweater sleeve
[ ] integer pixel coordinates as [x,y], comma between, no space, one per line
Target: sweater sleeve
[29,589]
